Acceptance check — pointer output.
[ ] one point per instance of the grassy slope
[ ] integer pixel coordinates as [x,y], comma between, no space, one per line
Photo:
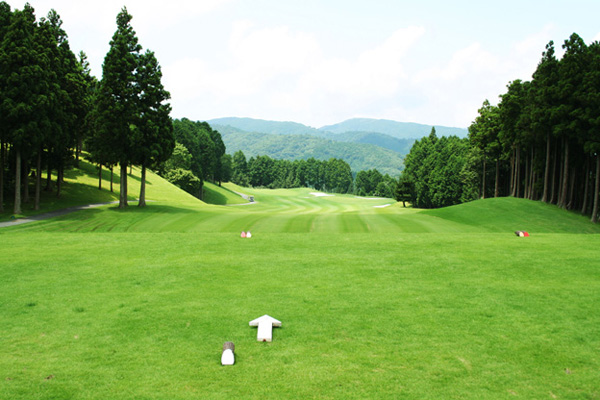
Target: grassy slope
[140,305]
[81,188]
[220,195]
[506,214]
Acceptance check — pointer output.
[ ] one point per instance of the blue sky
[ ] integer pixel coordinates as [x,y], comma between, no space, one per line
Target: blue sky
[321,62]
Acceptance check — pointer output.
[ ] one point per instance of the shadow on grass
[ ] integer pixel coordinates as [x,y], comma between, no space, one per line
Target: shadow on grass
[88,169]
[215,198]
[151,209]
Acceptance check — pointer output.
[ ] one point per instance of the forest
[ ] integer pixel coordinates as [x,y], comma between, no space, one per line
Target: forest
[540,142]
[51,106]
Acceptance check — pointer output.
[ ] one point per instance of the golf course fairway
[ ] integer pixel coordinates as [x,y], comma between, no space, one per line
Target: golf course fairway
[376,301]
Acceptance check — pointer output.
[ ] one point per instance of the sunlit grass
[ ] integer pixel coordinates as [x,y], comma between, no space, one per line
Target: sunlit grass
[421,316]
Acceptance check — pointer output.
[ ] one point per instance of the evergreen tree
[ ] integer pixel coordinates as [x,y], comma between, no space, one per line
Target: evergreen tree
[544,99]
[404,190]
[68,85]
[24,90]
[592,139]
[570,121]
[5,21]
[155,140]
[483,134]
[240,169]
[118,97]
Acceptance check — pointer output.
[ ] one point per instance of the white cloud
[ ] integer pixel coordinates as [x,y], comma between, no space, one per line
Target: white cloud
[376,72]
[288,73]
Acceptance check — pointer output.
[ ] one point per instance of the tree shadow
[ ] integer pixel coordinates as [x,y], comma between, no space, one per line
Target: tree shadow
[150,209]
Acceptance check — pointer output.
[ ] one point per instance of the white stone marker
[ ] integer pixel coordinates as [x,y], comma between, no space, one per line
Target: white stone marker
[227,358]
[265,327]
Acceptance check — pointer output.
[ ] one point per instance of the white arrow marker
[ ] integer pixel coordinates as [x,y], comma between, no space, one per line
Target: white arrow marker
[265,327]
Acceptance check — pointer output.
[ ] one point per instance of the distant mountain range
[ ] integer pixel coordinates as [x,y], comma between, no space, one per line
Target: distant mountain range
[363,143]
[400,130]
[360,156]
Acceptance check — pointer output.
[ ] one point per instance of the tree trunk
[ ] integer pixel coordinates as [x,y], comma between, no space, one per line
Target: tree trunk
[17,209]
[532,181]
[496,189]
[571,194]
[112,172]
[586,186]
[512,174]
[131,169]
[546,169]
[99,176]
[526,183]
[142,201]
[2,176]
[38,180]
[596,190]
[483,180]
[554,167]
[562,202]
[25,180]
[49,177]
[518,173]
[59,179]
[123,194]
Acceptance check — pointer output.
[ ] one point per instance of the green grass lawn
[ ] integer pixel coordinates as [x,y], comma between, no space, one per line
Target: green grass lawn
[376,303]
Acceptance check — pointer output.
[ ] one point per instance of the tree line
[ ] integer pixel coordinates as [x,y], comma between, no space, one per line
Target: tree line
[51,107]
[45,101]
[541,141]
[199,156]
[436,172]
[333,175]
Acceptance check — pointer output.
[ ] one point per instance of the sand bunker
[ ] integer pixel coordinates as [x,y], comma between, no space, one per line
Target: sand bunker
[321,194]
[383,206]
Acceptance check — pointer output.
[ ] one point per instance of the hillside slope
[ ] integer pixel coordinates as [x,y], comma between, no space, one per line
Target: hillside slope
[401,146]
[265,126]
[360,156]
[508,214]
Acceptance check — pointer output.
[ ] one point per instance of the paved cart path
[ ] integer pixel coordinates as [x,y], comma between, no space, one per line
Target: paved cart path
[53,214]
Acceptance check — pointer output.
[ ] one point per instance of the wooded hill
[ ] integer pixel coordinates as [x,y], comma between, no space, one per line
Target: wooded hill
[363,142]
[360,156]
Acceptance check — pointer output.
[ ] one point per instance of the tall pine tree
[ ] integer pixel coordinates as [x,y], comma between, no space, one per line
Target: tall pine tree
[118,97]
[154,126]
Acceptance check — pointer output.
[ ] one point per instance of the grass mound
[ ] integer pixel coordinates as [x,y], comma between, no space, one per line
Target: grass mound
[507,214]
